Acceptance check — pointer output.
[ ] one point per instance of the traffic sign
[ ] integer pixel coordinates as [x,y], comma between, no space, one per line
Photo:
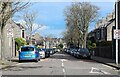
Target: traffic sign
[116,34]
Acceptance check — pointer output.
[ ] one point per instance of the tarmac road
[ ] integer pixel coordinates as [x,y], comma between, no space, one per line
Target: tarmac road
[60,64]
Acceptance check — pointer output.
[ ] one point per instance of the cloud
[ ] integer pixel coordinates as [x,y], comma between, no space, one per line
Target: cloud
[22,22]
[39,27]
[35,26]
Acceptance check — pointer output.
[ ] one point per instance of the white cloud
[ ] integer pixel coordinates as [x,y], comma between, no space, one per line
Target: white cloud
[41,27]
[35,26]
[22,22]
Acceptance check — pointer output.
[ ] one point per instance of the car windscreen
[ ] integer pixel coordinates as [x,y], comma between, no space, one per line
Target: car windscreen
[40,50]
[48,50]
[27,49]
[85,50]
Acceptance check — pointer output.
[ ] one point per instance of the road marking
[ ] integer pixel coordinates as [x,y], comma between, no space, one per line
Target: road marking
[63,67]
[64,73]
[105,72]
[96,70]
[108,66]
[62,64]
[63,60]
[92,70]
[63,70]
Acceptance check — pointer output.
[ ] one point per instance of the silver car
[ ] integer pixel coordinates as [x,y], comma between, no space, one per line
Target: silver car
[42,53]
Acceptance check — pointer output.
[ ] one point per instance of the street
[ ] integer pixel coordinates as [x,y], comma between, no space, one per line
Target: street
[60,64]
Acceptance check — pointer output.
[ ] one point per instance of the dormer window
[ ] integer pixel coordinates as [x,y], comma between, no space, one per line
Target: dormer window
[23,34]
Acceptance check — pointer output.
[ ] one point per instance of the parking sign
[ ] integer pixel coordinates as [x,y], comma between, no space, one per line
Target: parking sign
[116,34]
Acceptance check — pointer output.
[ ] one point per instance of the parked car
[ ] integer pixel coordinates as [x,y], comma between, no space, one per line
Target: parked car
[69,50]
[42,53]
[58,50]
[75,53]
[29,53]
[72,51]
[65,49]
[54,50]
[47,53]
[51,51]
[83,53]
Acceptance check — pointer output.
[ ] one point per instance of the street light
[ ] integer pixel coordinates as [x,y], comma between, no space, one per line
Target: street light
[10,35]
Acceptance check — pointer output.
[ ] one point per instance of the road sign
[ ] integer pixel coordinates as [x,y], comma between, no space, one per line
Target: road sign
[116,34]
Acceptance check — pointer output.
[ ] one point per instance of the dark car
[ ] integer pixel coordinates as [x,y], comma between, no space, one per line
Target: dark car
[75,53]
[72,51]
[51,51]
[65,49]
[47,53]
[83,53]
[69,50]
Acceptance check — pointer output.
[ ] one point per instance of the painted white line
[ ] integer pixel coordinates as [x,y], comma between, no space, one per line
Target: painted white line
[63,70]
[96,70]
[63,60]
[108,66]
[64,76]
[92,70]
[62,64]
[107,73]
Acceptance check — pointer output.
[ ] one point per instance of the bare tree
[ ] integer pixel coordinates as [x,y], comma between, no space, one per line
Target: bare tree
[7,10]
[80,14]
[29,18]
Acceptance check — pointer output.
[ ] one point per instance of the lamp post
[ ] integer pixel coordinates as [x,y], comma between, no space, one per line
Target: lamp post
[10,35]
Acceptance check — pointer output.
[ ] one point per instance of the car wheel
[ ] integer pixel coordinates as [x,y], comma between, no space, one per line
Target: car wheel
[39,59]
[89,57]
[36,60]
[20,61]
[79,57]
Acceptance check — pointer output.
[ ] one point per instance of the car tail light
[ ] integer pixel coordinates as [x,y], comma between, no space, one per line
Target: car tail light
[36,52]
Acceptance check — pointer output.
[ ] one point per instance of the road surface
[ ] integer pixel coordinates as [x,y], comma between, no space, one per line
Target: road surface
[60,64]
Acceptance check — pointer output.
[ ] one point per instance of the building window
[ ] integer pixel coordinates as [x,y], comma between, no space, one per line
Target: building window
[23,34]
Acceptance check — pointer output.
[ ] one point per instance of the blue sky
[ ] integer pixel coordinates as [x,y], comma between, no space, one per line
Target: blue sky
[51,15]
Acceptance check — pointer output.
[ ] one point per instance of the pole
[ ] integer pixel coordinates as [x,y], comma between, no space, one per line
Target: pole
[116,29]
[10,48]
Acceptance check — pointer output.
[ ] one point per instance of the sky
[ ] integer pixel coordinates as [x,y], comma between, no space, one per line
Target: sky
[51,16]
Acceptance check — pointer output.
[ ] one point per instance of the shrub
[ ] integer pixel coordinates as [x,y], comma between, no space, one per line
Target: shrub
[93,45]
[60,46]
[20,42]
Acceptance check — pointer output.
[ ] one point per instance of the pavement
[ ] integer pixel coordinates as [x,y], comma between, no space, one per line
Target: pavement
[106,61]
[7,63]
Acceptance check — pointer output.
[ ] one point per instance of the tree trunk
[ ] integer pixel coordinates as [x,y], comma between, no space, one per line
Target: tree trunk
[85,39]
[2,44]
[31,35]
